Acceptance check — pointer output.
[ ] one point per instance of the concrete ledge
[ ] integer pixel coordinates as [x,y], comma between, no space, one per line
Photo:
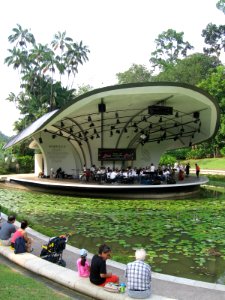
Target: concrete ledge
[3,179]
[64,276]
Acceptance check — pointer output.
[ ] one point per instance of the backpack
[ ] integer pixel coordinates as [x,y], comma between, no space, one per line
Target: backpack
[20,245]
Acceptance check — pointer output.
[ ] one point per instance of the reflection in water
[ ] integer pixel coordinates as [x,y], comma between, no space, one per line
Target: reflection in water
[221,279]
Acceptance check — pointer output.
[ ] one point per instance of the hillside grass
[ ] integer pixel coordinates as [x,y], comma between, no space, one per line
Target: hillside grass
[208,163]
[17,286]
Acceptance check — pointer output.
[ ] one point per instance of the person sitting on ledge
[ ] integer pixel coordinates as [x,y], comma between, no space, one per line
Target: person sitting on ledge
[138,275]
[6,231]
[22,233]
[83,266]
[98,273]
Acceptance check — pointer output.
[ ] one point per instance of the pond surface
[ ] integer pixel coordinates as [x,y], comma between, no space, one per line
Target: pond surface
[182,237]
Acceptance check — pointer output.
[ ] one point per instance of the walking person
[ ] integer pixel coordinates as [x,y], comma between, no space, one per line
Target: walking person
[197,170]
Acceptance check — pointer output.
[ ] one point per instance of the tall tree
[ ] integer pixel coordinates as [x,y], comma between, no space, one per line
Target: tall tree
[136,73]
[170,46]
[215,85]
[21,36]
[82,89]
[38,65]
[221,5]
[214,36]
[192,69]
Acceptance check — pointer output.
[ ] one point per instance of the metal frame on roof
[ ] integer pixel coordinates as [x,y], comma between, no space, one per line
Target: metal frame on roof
[76,123]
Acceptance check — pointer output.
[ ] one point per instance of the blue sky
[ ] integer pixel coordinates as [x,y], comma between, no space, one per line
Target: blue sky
[117,32]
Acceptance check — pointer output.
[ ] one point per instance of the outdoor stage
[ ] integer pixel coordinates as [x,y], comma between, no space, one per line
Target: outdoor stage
[181,189]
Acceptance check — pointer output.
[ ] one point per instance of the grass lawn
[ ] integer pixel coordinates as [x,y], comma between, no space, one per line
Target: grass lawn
[13,285]
[208,163]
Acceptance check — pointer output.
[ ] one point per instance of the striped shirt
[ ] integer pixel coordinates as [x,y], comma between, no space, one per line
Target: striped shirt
[138,275]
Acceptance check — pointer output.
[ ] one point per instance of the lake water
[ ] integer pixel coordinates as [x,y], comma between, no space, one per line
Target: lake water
[182,237]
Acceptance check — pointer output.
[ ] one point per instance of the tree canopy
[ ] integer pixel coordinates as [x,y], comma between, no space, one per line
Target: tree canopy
[221,5]
[214,84]
[191,70]
[170,46]
[214,37]
[136,73]
[47,72]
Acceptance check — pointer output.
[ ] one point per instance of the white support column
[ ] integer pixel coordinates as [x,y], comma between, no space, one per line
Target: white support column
[38,164]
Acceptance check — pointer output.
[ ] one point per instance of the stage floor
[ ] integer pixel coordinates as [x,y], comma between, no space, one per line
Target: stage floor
[181,189]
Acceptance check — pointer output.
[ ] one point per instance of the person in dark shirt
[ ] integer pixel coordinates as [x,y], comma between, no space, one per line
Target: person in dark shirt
[98,272]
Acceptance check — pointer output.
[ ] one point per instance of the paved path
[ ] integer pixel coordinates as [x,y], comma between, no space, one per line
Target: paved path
[211,172]
[163,285]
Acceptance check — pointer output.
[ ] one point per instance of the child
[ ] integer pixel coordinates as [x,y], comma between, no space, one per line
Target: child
[83,266]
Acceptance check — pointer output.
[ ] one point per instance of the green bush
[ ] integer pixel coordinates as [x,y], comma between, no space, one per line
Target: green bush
[26,164]
[222,151]
[167,159]
[3,171]
[197,153]
[180,154]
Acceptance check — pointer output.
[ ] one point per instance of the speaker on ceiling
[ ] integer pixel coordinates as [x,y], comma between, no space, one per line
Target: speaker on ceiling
[160,110]
[101,107]
[196,114]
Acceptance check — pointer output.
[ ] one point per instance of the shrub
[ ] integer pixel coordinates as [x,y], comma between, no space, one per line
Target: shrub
[197,153]
[180,154]
[167,159]
[222,151]
[26,164]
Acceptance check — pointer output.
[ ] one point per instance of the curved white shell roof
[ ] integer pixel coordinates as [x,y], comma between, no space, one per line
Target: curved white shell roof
[126,120]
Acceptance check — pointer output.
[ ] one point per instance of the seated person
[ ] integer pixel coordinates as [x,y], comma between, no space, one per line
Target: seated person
[166,173]
[124,173]
[6,231]
[41,175]
[21,232]
[98,273]
[113,176]
[138,275]
[88,175]
[181,174]
[83,266]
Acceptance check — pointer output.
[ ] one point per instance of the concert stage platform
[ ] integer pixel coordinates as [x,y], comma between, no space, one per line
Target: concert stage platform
[180,190]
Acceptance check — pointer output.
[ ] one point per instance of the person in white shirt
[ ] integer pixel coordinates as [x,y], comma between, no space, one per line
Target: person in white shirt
[113,175]
[152,168]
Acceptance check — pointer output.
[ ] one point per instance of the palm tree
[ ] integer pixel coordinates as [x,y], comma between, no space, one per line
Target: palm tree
[22,36]
[17,58]
[60,41]
[37,64]
[71,54]
[76,54]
